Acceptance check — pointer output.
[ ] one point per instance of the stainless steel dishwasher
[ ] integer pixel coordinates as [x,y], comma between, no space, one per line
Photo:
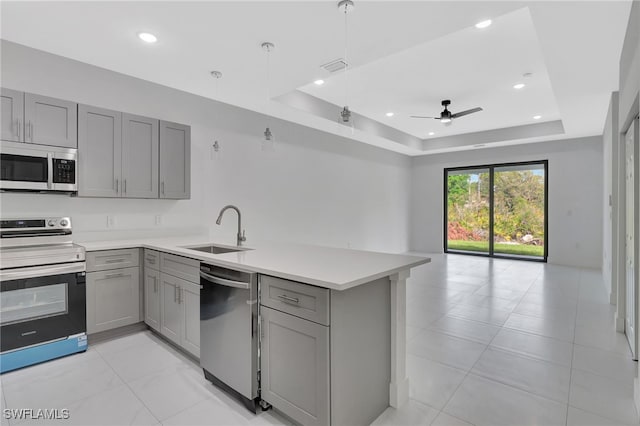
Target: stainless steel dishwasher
[229,331]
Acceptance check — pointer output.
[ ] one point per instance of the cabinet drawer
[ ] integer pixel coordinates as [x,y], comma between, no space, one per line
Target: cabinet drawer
[181,267]
[151,259]
[112,259]
[302,300]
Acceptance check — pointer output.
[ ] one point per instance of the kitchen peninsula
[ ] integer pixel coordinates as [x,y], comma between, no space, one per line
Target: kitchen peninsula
[359,303]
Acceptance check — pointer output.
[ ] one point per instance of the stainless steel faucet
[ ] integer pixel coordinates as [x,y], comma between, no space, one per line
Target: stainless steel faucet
[241,236]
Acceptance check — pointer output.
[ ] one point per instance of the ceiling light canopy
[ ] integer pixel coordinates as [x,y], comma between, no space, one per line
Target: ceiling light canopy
[518,86]
[319,82]
[483,24]
[147,37]
[537,117]
[432,133]
[390,114]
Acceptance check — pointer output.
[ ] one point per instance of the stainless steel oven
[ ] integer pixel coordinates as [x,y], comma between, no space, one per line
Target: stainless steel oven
[42,292]
[30,167]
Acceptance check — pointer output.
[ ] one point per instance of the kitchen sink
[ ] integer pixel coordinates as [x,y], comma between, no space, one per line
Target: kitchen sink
[215,249]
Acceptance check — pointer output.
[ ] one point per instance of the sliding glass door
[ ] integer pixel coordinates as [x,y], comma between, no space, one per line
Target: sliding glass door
[497,210]
[468,210]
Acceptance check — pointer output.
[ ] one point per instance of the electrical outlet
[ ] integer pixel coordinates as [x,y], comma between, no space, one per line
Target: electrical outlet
[158,219]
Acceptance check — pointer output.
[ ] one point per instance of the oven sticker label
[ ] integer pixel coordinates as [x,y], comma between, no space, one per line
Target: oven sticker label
[82,341]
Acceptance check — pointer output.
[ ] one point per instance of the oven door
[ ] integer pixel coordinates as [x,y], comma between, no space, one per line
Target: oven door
[42,303]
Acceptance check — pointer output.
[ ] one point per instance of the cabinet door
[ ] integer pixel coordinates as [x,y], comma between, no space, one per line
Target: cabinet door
[175,160]
[99,152]
[12,112]
[50,121]
[190,301]
[139,156]
[295,366]
[113,299]
[170,313]
[152,298]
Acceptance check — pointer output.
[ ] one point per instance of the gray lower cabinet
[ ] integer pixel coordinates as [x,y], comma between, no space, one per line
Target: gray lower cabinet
[325,354]
[12,113]
[295,366]
[50,121]
[99,152]
[139,156]
[112,299]
[171,312]
[175,160]
[152,289]
[180,312]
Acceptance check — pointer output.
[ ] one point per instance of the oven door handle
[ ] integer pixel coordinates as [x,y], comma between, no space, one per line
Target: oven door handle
[41,271]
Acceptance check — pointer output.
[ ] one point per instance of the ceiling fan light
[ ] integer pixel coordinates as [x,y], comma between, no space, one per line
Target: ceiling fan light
[445,120]
[483,24]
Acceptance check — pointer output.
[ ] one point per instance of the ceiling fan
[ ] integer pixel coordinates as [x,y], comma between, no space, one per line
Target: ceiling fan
[446,116]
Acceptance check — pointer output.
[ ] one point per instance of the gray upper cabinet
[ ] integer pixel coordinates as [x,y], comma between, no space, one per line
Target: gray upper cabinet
[175,160]
[12,111]
[99,152]
[139,156]
[50,121]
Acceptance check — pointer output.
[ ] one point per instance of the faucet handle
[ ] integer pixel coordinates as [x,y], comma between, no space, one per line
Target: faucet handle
[243,237]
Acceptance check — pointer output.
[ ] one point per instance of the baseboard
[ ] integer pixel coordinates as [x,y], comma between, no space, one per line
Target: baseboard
[619,324]
[636,394]
[116,332]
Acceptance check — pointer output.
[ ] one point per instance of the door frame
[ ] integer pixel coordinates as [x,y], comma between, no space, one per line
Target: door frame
[491,168]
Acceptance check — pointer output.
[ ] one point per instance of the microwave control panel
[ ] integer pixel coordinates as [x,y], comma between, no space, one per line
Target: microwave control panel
[64,171]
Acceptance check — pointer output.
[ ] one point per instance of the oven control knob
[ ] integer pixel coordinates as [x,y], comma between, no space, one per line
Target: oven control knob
[51,222]
[64,222]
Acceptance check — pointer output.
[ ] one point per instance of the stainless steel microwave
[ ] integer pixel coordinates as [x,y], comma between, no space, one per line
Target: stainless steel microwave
[30,167]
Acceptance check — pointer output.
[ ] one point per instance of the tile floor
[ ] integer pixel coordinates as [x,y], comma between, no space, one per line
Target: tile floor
[490,342]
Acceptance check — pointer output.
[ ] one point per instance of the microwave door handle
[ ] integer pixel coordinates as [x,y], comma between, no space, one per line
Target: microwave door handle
[49,170]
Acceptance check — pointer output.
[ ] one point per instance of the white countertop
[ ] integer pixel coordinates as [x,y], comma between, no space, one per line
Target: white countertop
[327,267]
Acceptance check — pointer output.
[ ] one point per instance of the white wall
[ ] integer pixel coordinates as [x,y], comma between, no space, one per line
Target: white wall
[315,188]
[575,196]
[609,196]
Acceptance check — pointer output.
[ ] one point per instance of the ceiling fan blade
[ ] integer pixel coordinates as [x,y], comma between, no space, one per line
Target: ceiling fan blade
[467,112]
[422,116]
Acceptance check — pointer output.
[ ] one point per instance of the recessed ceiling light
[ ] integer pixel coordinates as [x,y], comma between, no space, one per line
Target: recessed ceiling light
[483,24]
[147,37]
[537,117]
[389,114]
[518,86]
[432,133]
[319,82]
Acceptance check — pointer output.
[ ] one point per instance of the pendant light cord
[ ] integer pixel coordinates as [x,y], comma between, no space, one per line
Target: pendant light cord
[346,51]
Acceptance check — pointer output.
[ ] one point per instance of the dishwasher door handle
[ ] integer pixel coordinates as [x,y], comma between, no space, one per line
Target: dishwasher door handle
[223,281]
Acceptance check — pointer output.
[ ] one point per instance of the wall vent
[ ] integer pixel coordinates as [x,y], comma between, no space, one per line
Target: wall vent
[335,65]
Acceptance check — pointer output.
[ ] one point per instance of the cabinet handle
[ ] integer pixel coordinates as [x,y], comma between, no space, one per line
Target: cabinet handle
[19,126]
[175,294]
[117,186]
[289,299]
[262,327]
[28,130]
[114,275]
[179,296]
[162,187]
[114,261]
[124,186]
[155,285]
[31,130]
